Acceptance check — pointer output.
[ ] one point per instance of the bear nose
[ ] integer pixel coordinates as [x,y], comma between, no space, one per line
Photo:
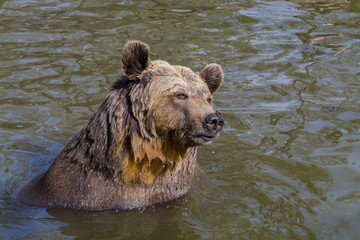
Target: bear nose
[214,121]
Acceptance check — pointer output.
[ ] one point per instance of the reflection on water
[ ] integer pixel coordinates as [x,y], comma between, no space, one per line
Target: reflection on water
[287,163]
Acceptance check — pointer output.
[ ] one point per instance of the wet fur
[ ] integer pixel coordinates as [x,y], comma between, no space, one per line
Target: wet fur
[117,159]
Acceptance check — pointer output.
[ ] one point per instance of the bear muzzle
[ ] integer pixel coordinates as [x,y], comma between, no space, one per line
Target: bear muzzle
[213,124]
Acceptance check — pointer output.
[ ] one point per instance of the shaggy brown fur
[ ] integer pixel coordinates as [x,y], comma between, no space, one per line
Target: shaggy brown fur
[139,147]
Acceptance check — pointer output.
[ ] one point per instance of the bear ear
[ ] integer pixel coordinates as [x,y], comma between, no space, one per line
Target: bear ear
[135,57]
[213,76]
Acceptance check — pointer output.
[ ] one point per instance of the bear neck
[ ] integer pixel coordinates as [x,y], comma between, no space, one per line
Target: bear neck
[146,160]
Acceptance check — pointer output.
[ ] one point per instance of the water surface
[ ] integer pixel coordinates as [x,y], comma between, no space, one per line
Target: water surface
[287,164]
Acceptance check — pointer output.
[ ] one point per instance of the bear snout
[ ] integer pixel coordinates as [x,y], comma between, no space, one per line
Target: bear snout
[214,122]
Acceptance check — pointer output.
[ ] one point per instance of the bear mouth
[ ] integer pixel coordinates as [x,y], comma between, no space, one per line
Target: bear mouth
[207,138]
[202,138]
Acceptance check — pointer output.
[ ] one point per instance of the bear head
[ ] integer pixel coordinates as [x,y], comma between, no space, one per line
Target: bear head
[172,102]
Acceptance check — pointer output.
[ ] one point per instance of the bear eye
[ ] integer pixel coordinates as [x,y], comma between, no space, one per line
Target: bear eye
[209,100]
[181,96]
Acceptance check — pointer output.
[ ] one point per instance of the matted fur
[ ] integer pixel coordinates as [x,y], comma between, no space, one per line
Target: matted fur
[139,147]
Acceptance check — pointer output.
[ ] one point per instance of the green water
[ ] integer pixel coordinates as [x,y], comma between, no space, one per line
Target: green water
[287,164]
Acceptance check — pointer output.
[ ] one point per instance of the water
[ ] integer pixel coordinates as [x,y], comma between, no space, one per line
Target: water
[287,164]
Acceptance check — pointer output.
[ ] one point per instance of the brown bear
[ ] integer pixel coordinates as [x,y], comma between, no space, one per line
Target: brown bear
[139,148]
